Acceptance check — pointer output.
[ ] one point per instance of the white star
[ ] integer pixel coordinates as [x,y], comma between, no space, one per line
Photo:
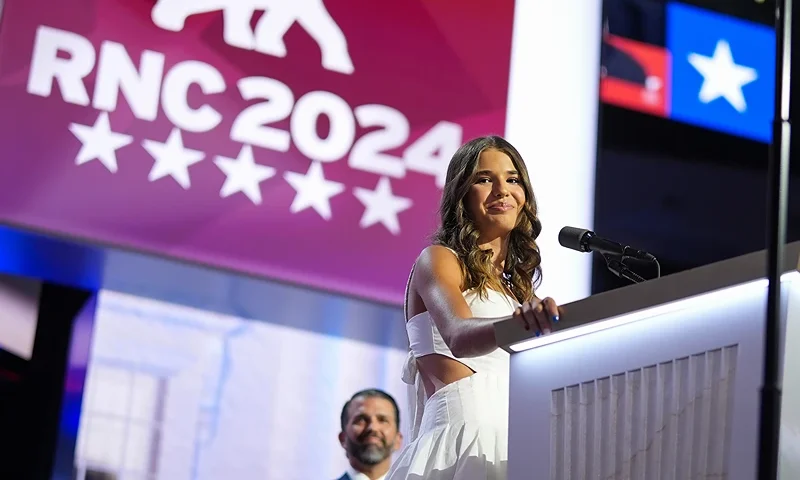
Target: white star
[722,77]
[99,142]
[381,206]
[313,190]
[243,175]
[172,158]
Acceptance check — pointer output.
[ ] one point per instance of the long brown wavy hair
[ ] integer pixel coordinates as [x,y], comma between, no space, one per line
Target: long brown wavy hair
[522,271]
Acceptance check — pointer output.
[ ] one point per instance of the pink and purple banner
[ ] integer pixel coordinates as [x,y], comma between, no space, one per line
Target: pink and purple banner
[301,141]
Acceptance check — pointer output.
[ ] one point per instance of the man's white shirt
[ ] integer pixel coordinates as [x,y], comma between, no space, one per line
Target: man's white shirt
[360,476]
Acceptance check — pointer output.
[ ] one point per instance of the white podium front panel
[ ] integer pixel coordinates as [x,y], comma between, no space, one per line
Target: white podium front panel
[674,395]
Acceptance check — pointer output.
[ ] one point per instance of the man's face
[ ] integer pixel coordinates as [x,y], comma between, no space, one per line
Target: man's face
[370,434]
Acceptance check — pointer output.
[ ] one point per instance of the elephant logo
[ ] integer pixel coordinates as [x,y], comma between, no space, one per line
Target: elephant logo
[267,37]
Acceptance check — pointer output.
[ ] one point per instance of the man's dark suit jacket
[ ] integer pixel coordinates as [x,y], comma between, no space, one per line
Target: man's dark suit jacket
[344,477]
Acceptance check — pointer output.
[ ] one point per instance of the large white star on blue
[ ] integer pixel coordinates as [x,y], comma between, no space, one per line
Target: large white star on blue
[722,77]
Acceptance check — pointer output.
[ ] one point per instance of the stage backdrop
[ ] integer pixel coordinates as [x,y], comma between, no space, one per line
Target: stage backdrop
[308,143]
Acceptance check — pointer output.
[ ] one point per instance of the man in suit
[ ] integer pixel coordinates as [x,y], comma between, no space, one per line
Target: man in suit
[370,434]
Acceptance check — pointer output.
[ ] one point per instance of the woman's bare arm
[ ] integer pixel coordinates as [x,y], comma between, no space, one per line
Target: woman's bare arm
[437,280]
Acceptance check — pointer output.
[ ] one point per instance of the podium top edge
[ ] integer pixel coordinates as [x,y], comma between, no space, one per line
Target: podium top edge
[671,288]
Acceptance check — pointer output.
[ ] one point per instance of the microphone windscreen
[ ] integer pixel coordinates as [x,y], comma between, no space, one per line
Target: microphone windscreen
[571,237]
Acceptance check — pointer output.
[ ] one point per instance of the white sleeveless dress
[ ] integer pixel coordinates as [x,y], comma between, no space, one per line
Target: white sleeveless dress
[461,431]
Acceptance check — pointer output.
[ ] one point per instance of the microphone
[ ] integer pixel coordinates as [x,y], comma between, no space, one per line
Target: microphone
[584,240]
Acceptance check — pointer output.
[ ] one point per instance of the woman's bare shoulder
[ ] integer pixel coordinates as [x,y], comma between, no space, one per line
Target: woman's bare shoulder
[438,256]
[437,262]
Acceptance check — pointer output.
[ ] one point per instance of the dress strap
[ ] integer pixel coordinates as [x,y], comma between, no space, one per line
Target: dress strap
[451,251]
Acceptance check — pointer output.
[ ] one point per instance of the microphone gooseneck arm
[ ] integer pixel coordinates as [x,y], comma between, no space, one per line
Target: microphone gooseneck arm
[618,268]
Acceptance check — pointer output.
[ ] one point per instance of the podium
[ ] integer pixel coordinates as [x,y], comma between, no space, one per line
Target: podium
[658,380]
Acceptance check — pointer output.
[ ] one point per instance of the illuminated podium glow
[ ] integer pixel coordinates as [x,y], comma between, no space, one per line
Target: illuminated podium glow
[655,380]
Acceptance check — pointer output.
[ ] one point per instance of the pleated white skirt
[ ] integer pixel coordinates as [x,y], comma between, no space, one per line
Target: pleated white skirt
[463,434]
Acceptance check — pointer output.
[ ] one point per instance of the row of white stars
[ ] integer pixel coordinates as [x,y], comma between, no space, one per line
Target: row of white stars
[242,173]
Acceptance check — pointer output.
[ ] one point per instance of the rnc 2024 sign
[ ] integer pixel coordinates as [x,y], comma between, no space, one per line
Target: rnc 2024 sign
[305,141]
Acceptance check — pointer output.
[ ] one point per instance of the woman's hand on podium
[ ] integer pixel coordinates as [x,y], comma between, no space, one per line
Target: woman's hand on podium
[538,315]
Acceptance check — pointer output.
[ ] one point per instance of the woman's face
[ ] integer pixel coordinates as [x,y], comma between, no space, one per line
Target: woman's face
[497,194]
